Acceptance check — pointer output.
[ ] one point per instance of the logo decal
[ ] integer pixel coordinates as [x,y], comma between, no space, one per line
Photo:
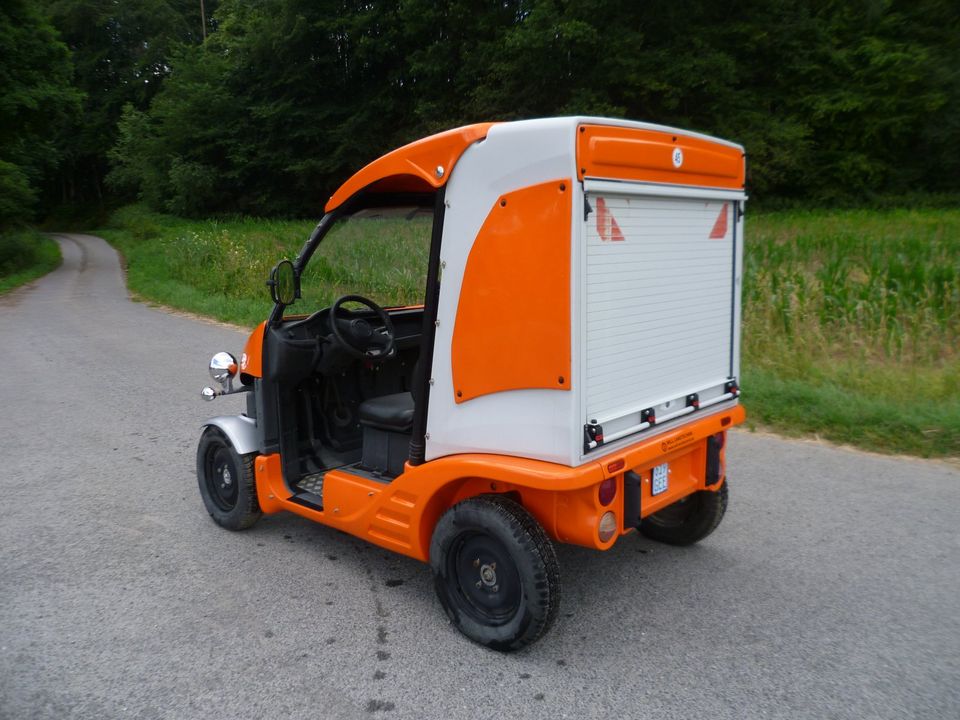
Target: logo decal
[607,226]
[720,226]
[243,361]
[677,157]
[677,441]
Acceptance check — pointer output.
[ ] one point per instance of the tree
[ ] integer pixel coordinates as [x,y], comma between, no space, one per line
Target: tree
[37,99]
[121,56]
[834,101]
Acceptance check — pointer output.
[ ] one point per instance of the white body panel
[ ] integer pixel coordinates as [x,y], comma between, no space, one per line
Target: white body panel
[607,301]
[527,423]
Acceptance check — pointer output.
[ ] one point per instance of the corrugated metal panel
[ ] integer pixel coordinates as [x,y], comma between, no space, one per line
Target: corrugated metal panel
[658,301]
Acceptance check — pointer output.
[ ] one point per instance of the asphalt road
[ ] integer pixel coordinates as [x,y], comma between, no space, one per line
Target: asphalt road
[832,589]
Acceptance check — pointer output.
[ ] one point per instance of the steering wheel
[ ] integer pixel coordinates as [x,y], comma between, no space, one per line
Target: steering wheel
[358,336]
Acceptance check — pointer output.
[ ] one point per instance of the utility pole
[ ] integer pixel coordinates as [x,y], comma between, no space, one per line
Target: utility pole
[203,21]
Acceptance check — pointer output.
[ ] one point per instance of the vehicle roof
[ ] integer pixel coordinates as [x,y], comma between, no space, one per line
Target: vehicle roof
[421,166]
[425,165]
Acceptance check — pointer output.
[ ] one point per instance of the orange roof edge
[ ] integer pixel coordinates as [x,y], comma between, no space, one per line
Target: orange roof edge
[420,159]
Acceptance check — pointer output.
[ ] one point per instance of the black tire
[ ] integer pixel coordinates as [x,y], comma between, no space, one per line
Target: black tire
[495,572]
[688,520]
[226,480]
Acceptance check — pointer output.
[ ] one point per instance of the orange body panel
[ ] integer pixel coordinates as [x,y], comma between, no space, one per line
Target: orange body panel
[413,167]
[401,515]
[605,151]
[512,327]
[251,362]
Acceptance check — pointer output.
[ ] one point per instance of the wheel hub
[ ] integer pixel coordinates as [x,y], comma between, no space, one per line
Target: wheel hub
[488,574]
[220,473]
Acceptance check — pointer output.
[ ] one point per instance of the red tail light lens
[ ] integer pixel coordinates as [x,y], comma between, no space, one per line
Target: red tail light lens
[616,465]
[608,491]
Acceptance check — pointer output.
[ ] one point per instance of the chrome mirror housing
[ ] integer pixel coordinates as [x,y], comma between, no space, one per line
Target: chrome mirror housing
[223,367]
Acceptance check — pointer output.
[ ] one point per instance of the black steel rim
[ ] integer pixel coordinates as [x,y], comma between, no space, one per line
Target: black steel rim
[221,477]
[485,577]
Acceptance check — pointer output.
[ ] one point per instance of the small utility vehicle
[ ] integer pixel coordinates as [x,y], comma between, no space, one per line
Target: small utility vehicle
[569,376]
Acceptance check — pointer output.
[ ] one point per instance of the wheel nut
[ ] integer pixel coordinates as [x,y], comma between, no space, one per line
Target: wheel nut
[476,563]
[479,584]
[496,588]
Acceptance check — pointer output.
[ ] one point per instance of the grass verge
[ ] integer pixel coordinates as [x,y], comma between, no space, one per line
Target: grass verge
[851,319]
[25,255]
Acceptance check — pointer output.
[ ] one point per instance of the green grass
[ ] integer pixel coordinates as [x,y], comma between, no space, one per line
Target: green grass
[220,267]
[851,320]
[851,327]
[25,255]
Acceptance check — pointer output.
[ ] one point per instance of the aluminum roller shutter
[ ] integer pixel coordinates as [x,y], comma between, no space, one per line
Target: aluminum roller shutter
[659,303]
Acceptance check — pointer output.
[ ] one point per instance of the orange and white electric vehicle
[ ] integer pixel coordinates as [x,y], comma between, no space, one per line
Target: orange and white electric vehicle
[569,377]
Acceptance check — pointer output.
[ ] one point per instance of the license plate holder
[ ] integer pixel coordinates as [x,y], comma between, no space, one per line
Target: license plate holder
[659,479]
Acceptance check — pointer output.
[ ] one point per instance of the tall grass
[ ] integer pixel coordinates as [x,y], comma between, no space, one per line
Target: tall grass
[851,319]
[851,326]
[866,285]
[220,268]
[385,260]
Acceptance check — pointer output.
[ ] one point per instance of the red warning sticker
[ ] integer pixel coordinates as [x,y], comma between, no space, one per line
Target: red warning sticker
[607,226]
[720,226]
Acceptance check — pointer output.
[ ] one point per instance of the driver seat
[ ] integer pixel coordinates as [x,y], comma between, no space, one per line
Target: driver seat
[387,423]
[393,413]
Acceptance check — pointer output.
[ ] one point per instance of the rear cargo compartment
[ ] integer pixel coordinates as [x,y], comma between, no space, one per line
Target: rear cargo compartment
[661,275]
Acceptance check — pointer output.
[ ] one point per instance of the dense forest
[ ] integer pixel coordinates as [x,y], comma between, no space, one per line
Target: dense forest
[265,106]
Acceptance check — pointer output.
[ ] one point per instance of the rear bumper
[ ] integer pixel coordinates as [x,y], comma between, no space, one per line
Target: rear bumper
[694,455]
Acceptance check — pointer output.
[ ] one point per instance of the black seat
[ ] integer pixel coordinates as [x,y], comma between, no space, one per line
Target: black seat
[388,412]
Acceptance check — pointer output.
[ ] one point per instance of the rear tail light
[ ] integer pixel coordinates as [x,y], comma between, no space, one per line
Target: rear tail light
[608,490]
[607,527]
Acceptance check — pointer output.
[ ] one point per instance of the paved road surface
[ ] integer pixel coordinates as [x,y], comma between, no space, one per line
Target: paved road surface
[831,590]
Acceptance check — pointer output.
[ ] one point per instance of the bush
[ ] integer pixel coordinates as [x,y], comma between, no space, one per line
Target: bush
[24,256]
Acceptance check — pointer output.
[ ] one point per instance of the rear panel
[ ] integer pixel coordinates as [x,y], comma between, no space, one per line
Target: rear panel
[660,279]
[659,289]
[651,297]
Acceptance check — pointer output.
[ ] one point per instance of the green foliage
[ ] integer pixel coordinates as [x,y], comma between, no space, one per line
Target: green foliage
[838,102]
[851,327]
[855,284]
[219,267]
[121,55]
[35,101]
[24,256]
[17,197]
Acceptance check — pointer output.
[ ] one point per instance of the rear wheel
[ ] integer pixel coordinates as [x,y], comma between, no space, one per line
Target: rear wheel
[495,572]
[226,480]
[688,520]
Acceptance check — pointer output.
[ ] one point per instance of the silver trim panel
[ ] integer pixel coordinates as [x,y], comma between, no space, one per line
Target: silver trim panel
[240,430]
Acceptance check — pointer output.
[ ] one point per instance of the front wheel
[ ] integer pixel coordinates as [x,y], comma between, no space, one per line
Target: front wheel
[495,572]
[226,480]
[688,520]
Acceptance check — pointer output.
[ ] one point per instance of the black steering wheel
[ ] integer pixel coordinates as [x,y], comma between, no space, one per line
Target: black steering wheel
[358,337]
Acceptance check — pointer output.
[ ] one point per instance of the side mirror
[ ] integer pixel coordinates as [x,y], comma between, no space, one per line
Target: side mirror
[283,283]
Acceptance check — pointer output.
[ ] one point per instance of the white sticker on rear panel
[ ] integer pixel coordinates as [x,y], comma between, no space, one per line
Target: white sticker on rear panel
[677,157]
